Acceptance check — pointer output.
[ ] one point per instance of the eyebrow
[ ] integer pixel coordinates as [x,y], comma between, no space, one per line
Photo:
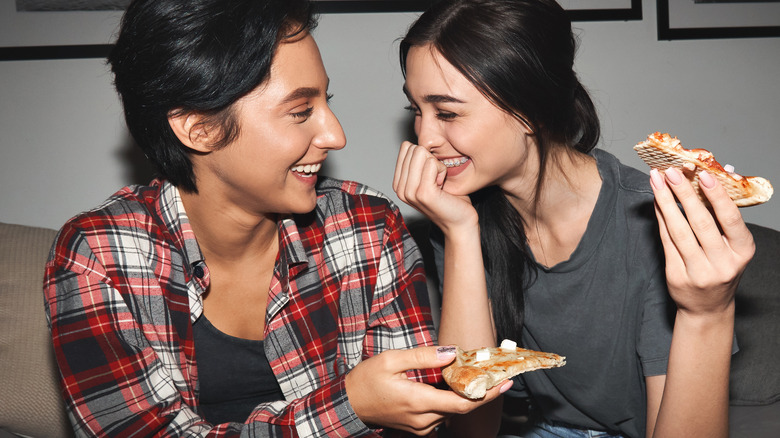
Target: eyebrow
[299,93]
[435,98]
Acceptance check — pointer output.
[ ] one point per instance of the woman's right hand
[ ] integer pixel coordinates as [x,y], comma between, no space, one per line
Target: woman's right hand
[419,181]
[381,393]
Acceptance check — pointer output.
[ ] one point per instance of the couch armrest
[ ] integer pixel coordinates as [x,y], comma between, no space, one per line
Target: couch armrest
[29,386]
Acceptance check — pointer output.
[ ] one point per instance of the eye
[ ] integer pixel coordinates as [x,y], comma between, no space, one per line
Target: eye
[328,98]
[445,115]
[304,115]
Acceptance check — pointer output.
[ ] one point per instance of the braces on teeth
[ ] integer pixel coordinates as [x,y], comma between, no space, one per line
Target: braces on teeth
[455,163]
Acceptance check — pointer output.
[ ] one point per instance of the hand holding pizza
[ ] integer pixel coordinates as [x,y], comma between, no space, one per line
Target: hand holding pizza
[381,393]
[703,266]
[706,253]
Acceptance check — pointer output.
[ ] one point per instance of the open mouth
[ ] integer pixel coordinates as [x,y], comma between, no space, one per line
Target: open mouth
[307,169]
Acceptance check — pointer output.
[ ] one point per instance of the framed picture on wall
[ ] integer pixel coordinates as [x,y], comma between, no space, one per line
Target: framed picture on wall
[700,19]
[603,10]
[579,10]
[67,29]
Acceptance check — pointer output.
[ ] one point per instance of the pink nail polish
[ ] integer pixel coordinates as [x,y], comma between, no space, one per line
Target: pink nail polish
[706,179]
[656,179]
[506,387]
[673,175]
[445,352]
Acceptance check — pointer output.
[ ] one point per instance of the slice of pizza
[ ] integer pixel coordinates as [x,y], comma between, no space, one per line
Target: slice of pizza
[475,371]
[662,151]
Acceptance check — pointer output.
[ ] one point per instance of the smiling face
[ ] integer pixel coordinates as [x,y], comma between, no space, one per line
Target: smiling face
[286,132]
[480,144]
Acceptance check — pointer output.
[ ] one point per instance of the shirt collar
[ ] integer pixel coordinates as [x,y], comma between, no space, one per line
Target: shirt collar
[178,225]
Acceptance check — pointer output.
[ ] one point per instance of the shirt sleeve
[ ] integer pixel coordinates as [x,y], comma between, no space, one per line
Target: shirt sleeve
[124,377]
[400,311]
[655,335]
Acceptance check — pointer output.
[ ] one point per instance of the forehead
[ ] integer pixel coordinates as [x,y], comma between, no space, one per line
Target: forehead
[429,73]
[296,64]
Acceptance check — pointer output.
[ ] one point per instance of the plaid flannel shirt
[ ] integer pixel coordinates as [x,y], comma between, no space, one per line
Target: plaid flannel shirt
[124,283]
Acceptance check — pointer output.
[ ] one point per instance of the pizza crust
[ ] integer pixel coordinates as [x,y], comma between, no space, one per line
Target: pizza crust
[662,151]
[471,378]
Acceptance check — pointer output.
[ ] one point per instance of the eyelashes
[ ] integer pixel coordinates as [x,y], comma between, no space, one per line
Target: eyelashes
[441,115]
[305,114]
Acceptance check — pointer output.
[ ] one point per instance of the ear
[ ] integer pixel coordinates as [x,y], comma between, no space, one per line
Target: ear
[190,131]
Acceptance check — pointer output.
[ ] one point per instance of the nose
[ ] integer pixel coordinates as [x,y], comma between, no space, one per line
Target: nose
[428,130]
[332,135]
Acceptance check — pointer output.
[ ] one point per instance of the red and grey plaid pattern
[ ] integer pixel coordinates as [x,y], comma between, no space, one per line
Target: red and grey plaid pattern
[124,282]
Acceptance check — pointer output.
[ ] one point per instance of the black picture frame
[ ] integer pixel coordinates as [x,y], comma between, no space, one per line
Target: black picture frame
[744,29]
[592,11]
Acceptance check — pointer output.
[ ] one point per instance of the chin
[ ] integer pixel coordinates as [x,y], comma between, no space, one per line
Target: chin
[455,189]
[304,207]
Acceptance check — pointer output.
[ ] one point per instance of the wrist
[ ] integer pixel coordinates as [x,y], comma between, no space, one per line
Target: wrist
[713,318]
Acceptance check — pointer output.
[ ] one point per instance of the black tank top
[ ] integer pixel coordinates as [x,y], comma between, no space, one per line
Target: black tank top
[234,374]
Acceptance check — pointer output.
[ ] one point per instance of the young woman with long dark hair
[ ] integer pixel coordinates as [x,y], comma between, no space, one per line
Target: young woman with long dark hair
[545,239]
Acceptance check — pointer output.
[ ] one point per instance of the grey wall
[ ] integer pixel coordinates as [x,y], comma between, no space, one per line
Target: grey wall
[64,148]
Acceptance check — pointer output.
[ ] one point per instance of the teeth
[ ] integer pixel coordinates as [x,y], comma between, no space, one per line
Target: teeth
[454,162]
[309,168]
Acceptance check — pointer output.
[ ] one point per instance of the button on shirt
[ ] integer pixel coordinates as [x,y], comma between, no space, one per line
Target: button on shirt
[124,283]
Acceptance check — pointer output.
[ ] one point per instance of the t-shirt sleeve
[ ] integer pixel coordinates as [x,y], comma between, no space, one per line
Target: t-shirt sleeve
[655,335]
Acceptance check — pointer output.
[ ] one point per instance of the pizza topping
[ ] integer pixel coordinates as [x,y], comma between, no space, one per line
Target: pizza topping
[483,355]
[508,344]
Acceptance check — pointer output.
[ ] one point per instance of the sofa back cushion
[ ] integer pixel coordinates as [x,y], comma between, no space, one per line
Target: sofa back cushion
[755,368]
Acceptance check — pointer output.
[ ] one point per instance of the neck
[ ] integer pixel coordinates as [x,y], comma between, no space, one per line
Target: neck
[228,233]
[570,188]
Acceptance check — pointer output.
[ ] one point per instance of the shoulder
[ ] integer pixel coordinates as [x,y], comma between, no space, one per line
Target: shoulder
[129,217]
[630,180]
[337,197]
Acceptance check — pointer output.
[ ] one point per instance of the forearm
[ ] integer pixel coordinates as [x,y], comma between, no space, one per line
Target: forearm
[466,318]
[695,397]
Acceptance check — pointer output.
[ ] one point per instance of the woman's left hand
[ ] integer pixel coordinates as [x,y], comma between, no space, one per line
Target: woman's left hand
[706,251]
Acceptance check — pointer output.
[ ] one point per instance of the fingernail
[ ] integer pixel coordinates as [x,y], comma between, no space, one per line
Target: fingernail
[656,179]
[445,352]
[506,387]
[673,175]
[706,179]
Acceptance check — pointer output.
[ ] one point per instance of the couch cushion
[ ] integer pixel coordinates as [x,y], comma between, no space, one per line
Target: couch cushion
[29,388]
[755,369]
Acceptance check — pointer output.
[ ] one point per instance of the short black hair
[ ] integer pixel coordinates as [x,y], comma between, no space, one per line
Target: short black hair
[181,56]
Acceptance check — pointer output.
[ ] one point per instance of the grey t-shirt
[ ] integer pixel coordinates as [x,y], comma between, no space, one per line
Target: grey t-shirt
[607,309]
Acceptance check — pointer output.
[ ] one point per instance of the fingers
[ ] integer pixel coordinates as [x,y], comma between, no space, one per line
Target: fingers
[699,229]
[401,168]
[418,176]
[728,216]
[676,233]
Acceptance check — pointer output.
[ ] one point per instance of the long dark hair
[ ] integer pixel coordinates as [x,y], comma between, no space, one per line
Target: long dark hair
[195,56]
[520,55]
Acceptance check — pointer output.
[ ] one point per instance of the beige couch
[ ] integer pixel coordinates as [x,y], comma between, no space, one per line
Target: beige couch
[30,403]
